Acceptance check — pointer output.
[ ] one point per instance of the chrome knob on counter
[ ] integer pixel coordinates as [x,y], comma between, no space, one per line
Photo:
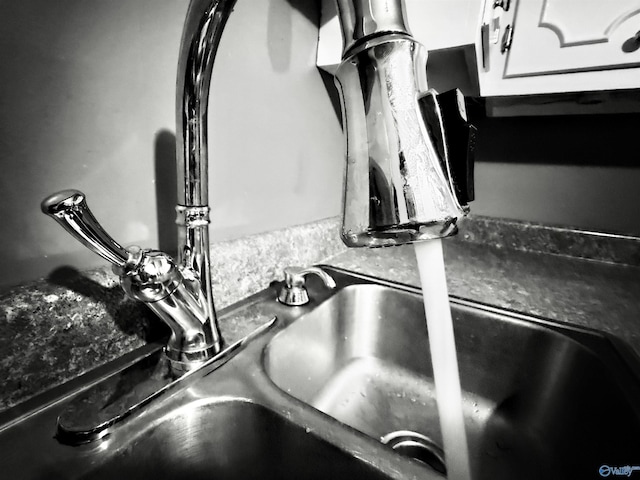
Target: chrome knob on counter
[173,292]
[294,292]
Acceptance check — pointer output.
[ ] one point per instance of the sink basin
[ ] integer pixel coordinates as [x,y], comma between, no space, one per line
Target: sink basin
[229,440]
[540,400]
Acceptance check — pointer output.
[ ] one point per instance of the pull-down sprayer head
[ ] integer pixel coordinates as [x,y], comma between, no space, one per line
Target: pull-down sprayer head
[399,181]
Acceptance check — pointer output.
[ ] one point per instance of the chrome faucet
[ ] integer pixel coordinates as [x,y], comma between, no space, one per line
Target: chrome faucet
[409,174]
[176,293]
[400,186]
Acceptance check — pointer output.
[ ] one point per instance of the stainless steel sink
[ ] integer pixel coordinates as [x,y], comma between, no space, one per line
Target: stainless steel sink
[226,421]
[541,400]
[312,396]
[230,440]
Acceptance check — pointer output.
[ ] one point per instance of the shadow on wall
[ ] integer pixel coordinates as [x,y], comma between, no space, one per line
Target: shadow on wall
[584,140]
[309,8]
[166,191]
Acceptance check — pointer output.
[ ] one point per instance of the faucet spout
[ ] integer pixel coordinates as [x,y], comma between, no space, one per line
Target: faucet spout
[203,27]
[399,186]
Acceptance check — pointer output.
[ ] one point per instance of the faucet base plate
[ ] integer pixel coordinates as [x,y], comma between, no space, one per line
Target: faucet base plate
[92,414]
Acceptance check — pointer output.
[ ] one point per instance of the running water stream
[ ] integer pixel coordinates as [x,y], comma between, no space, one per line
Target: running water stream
[443,357]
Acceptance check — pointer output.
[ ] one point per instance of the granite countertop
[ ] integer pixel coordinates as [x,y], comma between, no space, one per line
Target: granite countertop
[60,327]
[57,328]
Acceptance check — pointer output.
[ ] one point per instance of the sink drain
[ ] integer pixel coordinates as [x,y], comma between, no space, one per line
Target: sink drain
[417,446]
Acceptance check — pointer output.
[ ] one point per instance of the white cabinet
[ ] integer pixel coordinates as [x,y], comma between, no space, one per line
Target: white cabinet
[559,46]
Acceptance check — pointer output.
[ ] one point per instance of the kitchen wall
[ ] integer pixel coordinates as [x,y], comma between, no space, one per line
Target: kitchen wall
[87,101]
[87,93]
[581,171]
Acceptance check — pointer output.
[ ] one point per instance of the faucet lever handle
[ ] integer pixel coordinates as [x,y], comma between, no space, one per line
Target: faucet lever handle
[69,208]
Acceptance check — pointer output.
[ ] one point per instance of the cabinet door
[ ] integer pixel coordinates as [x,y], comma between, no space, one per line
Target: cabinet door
[558,36]
[558,46]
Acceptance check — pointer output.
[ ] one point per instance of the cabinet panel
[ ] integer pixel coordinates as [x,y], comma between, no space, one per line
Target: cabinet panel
[556,36]
[558,46]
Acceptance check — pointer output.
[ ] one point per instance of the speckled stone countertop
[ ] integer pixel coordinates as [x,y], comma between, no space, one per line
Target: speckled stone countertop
[57,328]
[60,327]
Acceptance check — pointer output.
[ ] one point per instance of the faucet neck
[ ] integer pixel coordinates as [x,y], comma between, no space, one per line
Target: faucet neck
[361,20]
[204,24]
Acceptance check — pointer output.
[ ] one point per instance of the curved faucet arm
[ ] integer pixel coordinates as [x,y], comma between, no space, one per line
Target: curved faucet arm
[203,27]
[362,19]
[204,24]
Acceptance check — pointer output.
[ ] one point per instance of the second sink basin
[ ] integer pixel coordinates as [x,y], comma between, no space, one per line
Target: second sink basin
[540,400]
[231,440]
